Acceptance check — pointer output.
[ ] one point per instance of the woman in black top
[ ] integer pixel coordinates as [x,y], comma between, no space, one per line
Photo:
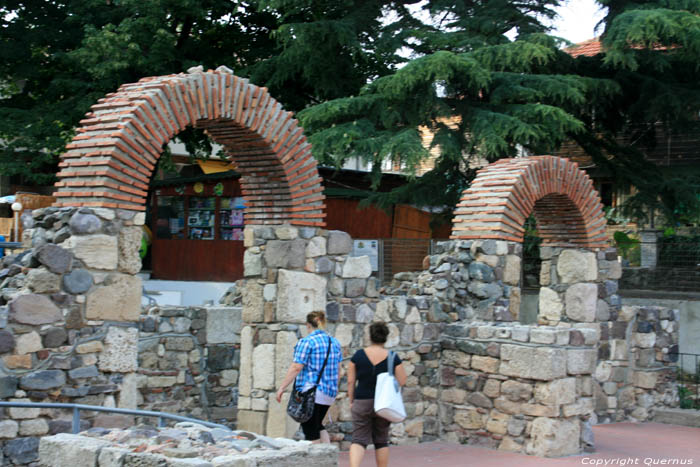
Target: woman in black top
[368,427]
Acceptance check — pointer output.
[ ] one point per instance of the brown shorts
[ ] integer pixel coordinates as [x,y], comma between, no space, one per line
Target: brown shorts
[368,427]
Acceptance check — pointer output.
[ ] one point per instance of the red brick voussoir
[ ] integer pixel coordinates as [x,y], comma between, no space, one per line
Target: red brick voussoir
[114,152]
[559,195]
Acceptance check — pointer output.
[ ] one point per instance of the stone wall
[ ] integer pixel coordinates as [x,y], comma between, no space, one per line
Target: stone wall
[290,272]
[188,361]
[518,388]
[474,373]
[70,307]
[636,370]
[452,325]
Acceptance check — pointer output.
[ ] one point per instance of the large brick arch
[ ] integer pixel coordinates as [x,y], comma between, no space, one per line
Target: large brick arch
[560,196]
[110,161]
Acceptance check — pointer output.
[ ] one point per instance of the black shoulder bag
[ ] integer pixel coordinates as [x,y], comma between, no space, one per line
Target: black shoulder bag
[301,404]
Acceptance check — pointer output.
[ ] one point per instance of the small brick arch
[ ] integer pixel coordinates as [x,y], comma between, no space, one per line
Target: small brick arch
[560,196]
[110,161]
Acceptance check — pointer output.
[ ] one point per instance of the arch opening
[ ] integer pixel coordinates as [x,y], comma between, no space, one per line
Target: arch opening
[559,221]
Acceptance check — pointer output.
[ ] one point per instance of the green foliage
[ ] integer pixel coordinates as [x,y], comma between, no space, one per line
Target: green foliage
[626,246]
[687,399]
[59,58]
[672,200]
[370,78]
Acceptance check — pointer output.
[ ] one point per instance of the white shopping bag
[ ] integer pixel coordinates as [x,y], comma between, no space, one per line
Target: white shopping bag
[388,402]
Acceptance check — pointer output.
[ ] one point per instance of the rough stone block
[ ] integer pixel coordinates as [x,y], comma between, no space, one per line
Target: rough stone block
[516,391]
[112,457]
[454,395]
[485,364]
[55,258]
[558,392]
[43,380]
[285,253]
[21,413]
[550,305]
[7,341]
[43,281]
[299,293]
[128,393]
[8,386]
[470,419]
[511,272]
[645,379]
[581,302]
[112,420]
[279,424]
[253,302]
[249,420]
[120,353]
[89,347]
[355,287]
[316,247]
[344,334]
[497,422]
[245,381]
[17,361]
[357,267]
[28,343]
[456,359]
[644,340]
[117,299]
[554,438]
[520,361]
[8,429]
[264,375]
[36,427]
[581,361]
[284,355]
[84,223]
[22,451]
[34,309]
[583,406]
[223,325]
[129,241]
[252,263]
[339,243]
[542,336]
[577,266]
[95,251]
[55,337]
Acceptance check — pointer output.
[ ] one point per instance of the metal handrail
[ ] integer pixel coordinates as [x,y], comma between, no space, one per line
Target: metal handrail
[96,408]
[10,244]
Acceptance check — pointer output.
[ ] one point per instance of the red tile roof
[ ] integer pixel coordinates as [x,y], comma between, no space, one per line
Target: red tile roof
[588,48]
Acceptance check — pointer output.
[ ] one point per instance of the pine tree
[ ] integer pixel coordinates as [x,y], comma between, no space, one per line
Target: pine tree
[651,51]
[482,96]
[59,58]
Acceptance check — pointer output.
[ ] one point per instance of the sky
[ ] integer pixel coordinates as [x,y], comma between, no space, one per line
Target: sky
[577,20]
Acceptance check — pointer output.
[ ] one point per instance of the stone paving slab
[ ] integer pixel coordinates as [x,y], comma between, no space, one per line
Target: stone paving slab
[629,443]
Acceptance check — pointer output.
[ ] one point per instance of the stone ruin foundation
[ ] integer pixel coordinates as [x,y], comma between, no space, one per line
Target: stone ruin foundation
[72,330]
[184,445]
[476,375]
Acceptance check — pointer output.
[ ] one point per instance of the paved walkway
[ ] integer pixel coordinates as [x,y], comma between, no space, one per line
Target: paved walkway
[649,444]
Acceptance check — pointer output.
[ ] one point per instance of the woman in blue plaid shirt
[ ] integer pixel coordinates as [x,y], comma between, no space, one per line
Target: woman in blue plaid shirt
[309,355]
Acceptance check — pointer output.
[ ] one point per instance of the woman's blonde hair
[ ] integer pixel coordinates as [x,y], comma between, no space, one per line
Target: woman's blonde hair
[317,319]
